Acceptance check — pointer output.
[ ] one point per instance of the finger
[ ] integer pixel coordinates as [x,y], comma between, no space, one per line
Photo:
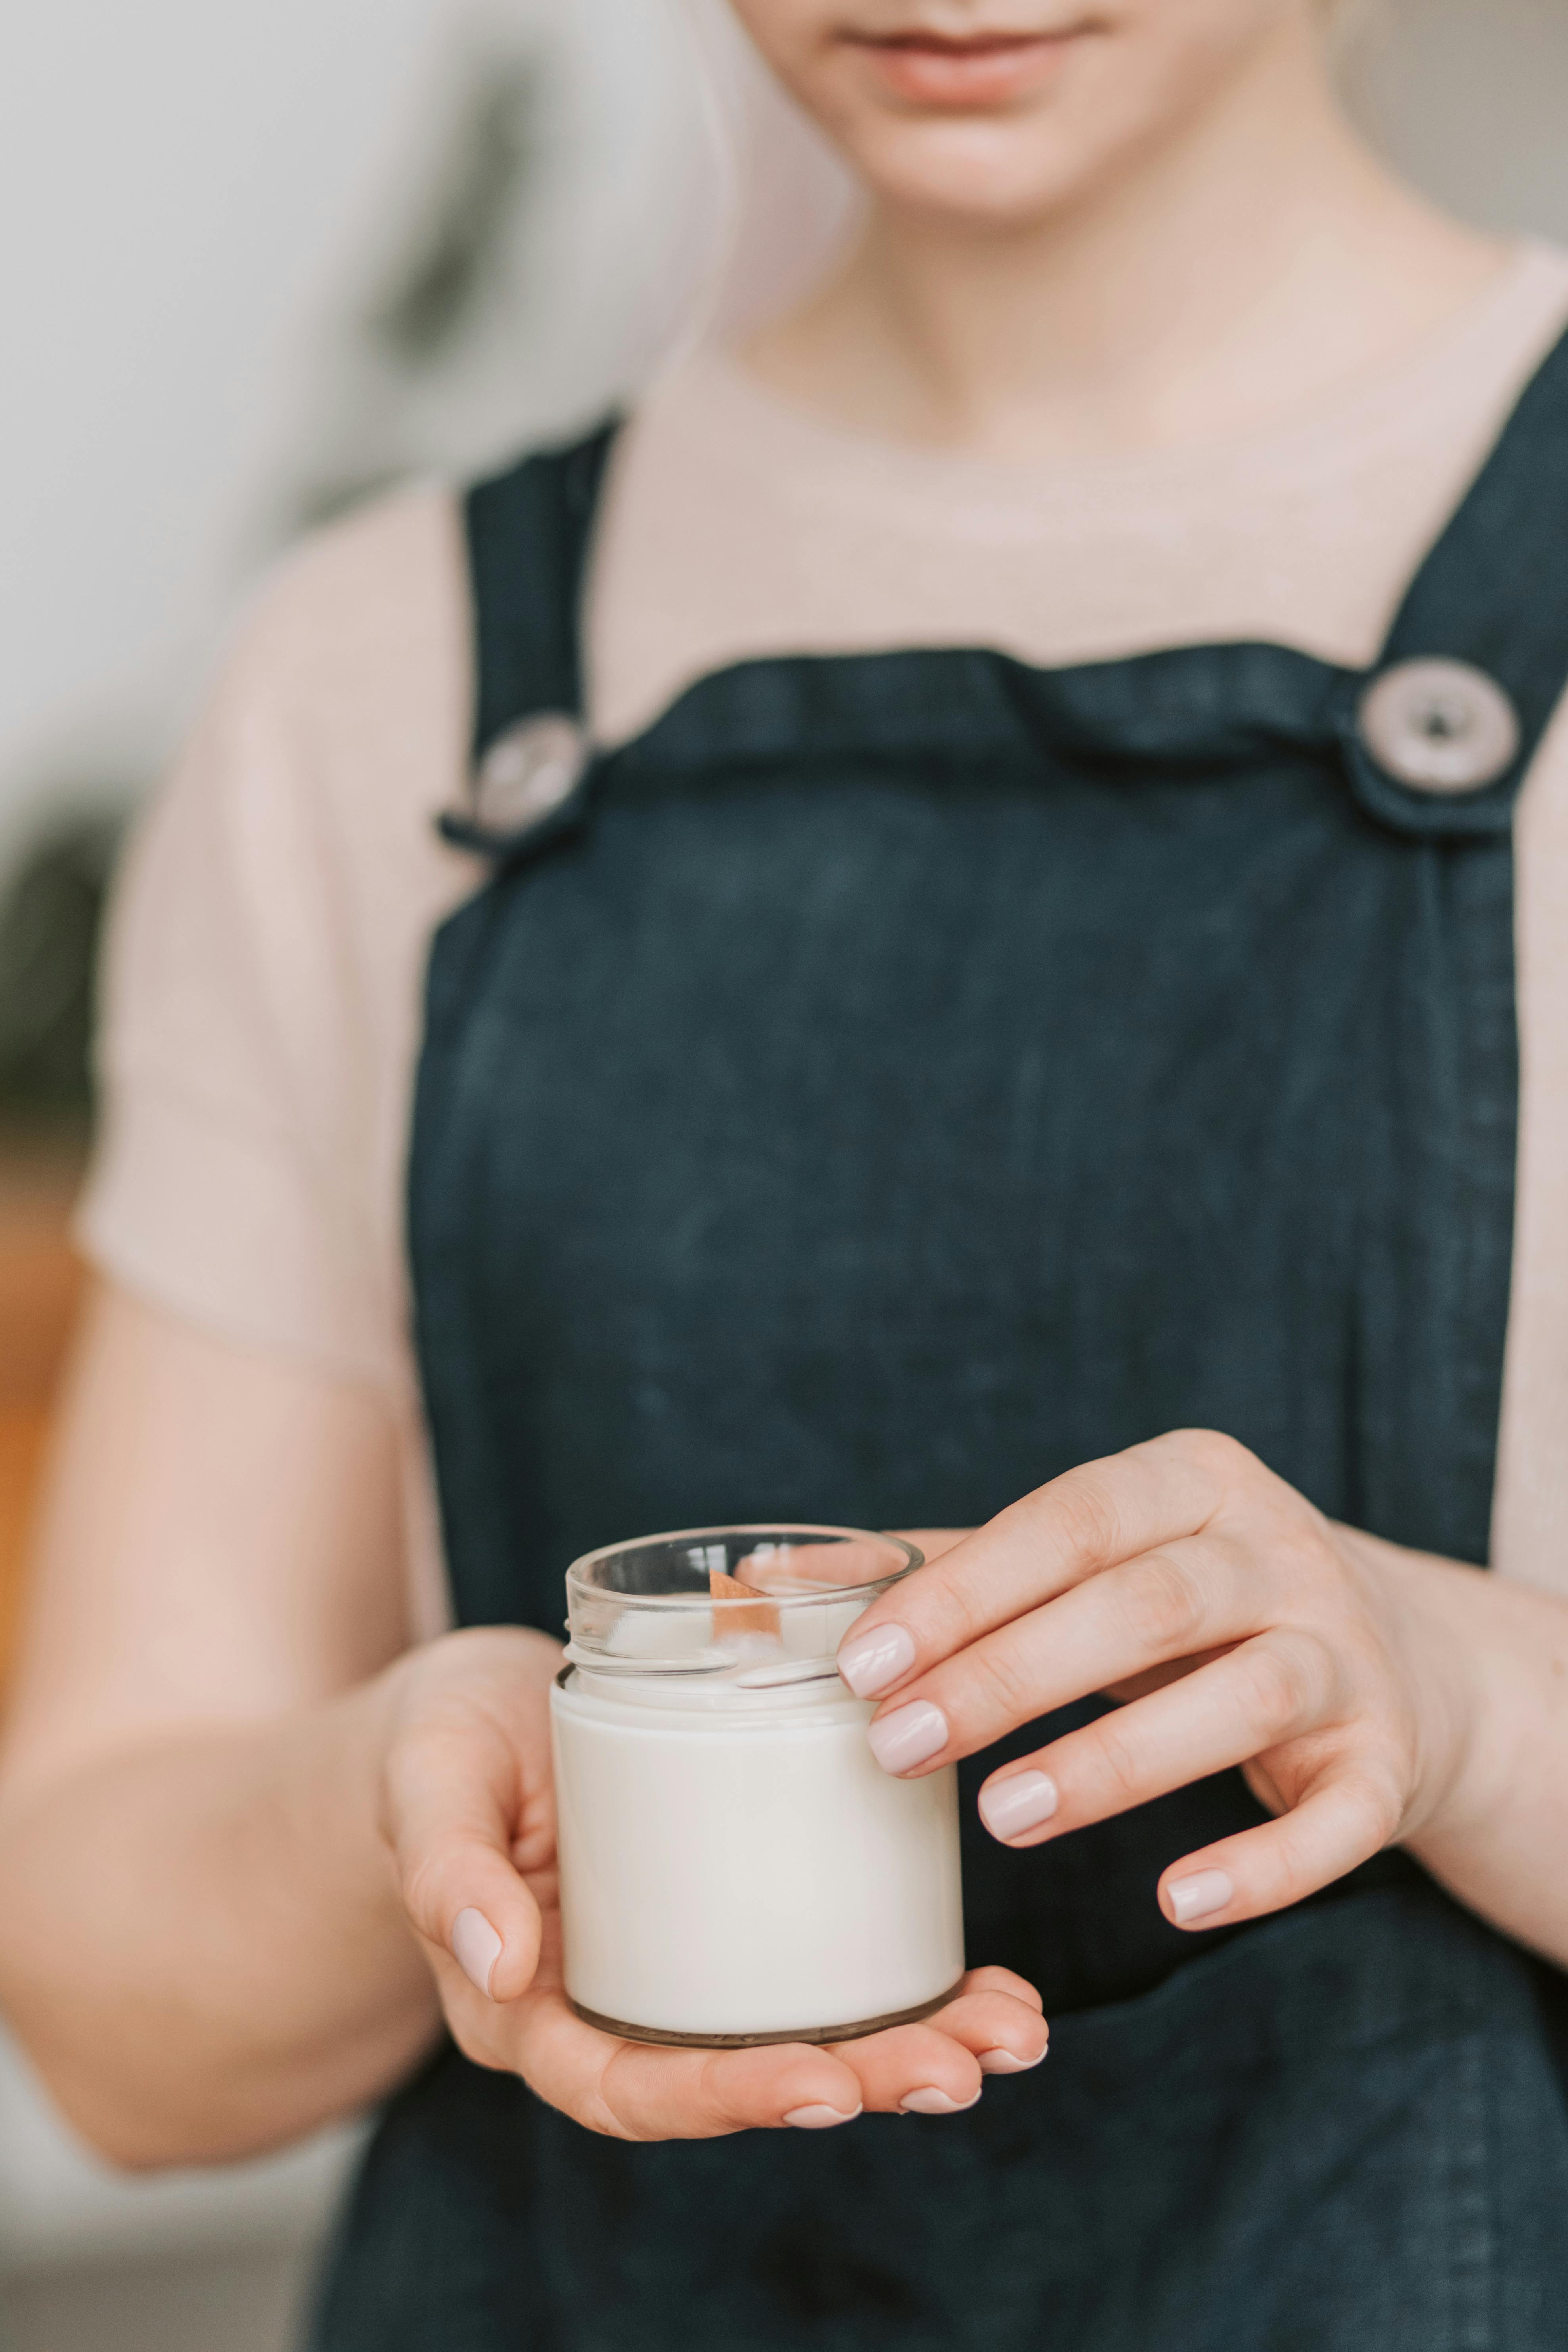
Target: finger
[1007,2036]
[1348,1817]
[1085,1521]
[450,1813]
[1188,1599]
[916,2070]
[639,2091]
[1276,1688]
[1000,1980]
[704,2093]
[932,1542]
[995,2017]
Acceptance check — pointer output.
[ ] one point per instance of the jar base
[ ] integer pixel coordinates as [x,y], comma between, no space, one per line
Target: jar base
[856,2032]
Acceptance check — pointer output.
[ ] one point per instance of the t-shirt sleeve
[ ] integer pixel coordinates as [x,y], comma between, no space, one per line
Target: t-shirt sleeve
[252,1097]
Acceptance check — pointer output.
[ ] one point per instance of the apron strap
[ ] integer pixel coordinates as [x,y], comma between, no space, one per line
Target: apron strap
[1494,591]
[528,532]
[1485,619]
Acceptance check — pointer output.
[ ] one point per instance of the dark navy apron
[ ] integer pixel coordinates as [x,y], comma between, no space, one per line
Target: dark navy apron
[887,1081]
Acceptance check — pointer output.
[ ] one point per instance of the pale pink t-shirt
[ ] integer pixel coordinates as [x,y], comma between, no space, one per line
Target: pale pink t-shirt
[266,959]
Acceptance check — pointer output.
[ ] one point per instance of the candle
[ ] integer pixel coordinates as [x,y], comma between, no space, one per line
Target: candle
[735,1867]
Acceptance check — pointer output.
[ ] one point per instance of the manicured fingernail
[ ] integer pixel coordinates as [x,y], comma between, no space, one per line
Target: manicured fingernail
[819,2119]
[1008,1807]
[1198,1897]
[1003,2062]
[909,1735]
[932,2102]
[476,1947]
[870,1661]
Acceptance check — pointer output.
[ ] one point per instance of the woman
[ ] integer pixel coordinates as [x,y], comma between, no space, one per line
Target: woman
[992,952]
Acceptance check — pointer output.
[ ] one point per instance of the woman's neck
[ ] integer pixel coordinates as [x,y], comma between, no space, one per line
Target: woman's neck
[1257,259]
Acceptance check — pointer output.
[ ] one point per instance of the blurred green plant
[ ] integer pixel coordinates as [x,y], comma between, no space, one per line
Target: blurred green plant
[51,922]
[487,161]
[447,274]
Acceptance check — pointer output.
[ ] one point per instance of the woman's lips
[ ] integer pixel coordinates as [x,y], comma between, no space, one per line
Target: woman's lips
[990,71]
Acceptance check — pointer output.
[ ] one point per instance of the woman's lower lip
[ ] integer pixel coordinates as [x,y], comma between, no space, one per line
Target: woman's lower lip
[965,76]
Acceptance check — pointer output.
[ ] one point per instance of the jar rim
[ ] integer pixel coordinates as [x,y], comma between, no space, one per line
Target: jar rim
[814,1597]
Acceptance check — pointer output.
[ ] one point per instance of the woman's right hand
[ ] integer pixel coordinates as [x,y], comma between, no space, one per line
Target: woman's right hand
[467,1808]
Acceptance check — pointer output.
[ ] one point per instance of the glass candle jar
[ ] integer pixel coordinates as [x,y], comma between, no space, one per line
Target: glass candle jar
[735,1866]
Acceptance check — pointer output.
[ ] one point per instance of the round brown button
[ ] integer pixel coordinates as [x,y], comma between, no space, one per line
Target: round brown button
[528,771]
[1440,726]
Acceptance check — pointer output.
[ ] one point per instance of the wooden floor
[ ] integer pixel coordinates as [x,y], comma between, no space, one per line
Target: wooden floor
[40,1281]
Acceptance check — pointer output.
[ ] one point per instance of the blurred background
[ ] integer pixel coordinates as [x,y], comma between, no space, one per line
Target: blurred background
[260,261]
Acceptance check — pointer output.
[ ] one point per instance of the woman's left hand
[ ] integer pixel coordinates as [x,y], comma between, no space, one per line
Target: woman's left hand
[1242,1628]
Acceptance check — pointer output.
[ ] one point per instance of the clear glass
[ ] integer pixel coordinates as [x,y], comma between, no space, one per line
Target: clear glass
[668,1605]
[735,1866]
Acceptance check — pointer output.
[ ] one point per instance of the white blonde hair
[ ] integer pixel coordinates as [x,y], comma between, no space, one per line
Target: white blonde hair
[773,200]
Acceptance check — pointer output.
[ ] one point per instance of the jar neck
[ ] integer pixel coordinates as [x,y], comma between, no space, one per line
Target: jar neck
[810,1687]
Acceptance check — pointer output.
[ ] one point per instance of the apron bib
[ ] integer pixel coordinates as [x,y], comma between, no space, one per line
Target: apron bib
[888,1081]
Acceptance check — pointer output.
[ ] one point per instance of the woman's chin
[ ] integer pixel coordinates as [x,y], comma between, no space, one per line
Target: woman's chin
[984,173]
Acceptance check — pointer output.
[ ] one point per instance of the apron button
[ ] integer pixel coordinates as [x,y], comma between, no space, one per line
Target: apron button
[1440,726]
[529,773]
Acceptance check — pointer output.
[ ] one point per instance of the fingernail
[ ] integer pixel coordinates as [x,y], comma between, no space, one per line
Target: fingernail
[907,1738]
[819,2119]
[476,1947]
[1008,1807]
[1198,1897]
[1003,2062]
[870,1661]
[932,2102]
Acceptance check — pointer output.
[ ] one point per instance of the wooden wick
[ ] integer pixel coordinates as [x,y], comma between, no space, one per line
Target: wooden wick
[762,1619]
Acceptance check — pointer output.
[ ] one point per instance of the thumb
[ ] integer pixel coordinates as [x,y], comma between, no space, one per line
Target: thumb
[448,1817]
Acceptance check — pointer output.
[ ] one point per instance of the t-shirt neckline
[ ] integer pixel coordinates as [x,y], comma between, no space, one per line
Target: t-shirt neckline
[1527,284]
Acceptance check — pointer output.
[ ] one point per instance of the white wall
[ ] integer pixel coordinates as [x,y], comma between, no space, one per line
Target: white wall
[189,193]
[1471,97]
[168,175]
[58,2204]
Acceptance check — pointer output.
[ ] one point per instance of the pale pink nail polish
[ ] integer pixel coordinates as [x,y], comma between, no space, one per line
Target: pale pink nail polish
[1200,1897]
[819,2119]
[476,1947]
[907,1737]
[932,2102]
[871,1662]
[1003,2062]
[1010,1807]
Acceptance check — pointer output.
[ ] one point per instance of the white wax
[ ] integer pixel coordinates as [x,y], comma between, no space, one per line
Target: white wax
[735,1862]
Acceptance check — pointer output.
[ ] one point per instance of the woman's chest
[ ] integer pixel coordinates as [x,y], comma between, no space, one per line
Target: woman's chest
[875,1141]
